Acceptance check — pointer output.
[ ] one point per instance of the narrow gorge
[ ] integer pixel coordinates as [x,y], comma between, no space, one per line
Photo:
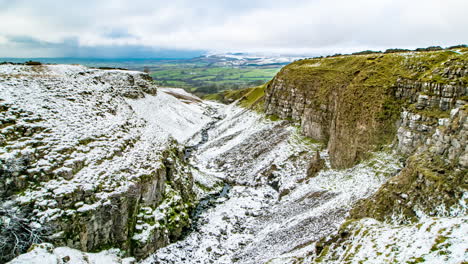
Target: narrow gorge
[344,159]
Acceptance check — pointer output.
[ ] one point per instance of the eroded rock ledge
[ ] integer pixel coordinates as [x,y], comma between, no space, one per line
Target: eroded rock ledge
[80,168]
[353,103]
[416,103]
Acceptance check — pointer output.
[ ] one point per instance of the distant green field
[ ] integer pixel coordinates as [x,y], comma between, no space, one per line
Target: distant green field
[200,75]
[211,79]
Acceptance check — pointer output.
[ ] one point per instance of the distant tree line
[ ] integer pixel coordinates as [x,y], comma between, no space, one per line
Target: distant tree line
[29,63]
[393,50]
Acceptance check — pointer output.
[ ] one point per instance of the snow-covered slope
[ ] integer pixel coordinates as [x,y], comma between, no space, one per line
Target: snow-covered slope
[46,254]
[245,59]
[179,117]
[273,210]
[80,147]
[431,240]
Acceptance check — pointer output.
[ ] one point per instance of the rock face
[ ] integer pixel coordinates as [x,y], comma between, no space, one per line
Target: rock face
[338,101]
[80,168]
[432,132]
[315,165]
[434,180]
[435,176]
[417,104]
[353,103]
[422,209]
[430,106]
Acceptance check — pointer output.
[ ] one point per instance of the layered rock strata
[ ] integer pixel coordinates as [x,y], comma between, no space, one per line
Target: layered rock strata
[80,168]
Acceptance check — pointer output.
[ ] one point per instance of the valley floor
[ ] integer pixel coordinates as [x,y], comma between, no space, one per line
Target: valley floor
[272,211]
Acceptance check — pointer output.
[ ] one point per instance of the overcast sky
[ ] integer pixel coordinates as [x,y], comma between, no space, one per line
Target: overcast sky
[184,28]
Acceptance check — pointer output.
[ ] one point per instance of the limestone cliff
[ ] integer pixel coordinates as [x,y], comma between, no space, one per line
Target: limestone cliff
[415,103]
[433,132]
[80,165]
[353,103]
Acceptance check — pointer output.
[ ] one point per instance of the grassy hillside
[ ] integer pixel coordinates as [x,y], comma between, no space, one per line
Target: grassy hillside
[251,98]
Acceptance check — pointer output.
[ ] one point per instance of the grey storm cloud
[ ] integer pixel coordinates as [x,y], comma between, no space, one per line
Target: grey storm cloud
[152,27]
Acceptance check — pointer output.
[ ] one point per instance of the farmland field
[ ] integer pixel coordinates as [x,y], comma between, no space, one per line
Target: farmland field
[202,75]
[210,79]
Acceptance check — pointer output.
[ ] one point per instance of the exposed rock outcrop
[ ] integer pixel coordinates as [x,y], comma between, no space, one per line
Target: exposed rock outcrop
[80,165]
[340,101]
[434,180]
[432,132]
[315,165]
[415,103]
[353,103]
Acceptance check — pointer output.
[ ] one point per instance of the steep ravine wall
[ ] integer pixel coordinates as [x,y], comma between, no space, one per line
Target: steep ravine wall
[419,215]
[338,101]
[353,103]
[416,103]
[434,180]
[124,219]
[80,168]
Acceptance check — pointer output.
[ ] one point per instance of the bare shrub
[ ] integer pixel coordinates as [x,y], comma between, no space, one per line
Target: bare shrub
[16,233]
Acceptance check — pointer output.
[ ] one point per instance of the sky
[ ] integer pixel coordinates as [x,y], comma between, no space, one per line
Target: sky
[188,28]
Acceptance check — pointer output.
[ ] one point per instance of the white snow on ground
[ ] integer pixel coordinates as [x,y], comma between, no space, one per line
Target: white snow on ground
[254,223]
[431,240]
[46,254]
[89,128]
[166,113]
[86,131]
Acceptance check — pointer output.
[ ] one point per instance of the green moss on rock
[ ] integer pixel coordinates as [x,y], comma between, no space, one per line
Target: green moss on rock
[350,101]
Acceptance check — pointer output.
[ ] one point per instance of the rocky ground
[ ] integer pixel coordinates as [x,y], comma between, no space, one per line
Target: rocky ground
[272,209]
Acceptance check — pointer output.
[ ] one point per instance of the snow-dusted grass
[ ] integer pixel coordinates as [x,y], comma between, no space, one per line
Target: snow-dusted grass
[74,138]
[47,254]
[431,240]
[166,113]
[254,223]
